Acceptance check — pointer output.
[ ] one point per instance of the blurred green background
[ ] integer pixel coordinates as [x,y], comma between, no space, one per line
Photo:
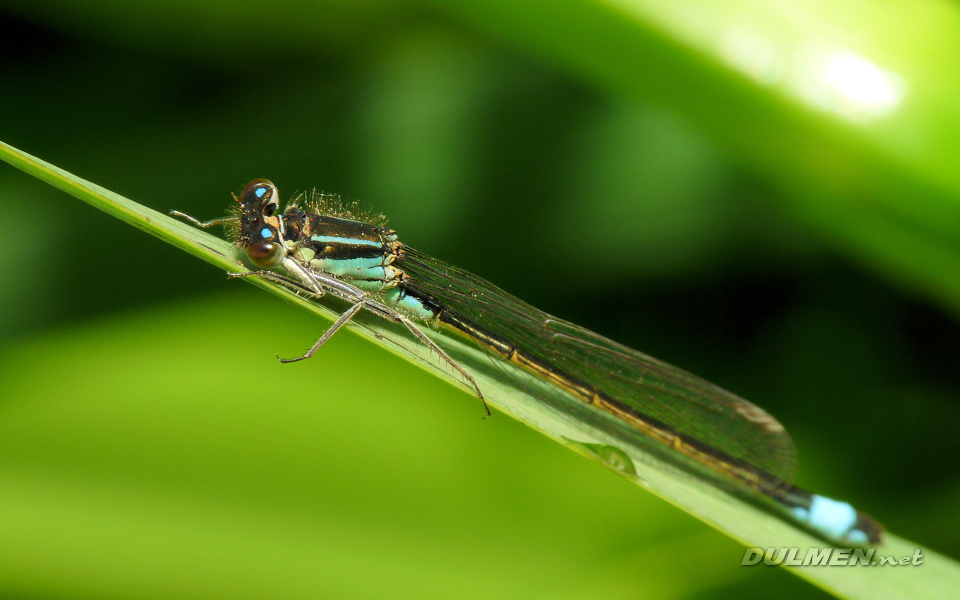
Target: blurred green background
[799,253]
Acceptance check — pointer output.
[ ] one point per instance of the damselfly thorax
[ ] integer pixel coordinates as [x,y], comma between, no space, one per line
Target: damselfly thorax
[328,249]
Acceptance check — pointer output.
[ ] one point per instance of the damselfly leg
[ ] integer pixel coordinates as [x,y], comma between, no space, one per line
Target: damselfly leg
[320,283]
[203,224]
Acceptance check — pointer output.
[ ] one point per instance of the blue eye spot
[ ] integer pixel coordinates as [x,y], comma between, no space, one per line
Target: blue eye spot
[260,192]
[266,233]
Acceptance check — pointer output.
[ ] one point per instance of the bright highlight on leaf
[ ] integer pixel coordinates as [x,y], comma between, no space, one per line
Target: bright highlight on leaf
[859,87]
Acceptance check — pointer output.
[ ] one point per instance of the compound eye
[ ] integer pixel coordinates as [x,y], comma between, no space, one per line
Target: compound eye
[260,192]
[266,255]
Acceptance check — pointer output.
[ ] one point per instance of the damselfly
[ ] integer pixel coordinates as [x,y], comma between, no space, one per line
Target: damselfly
[323,248]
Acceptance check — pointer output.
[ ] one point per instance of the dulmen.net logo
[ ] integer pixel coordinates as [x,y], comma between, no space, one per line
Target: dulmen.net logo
[827,557]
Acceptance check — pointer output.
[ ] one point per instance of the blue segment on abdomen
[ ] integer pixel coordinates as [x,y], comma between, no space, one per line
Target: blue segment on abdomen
[834,518]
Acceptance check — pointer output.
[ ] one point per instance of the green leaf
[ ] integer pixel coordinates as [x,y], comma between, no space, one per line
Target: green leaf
[843,107]
[742,521]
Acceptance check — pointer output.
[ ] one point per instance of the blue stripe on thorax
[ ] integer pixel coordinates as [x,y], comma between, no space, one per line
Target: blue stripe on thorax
[332,239]
[357,270]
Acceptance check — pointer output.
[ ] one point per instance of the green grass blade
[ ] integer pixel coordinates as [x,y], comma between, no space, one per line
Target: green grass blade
[937,578]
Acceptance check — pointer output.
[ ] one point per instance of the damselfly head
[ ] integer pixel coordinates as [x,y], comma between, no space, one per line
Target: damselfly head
[261,225]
